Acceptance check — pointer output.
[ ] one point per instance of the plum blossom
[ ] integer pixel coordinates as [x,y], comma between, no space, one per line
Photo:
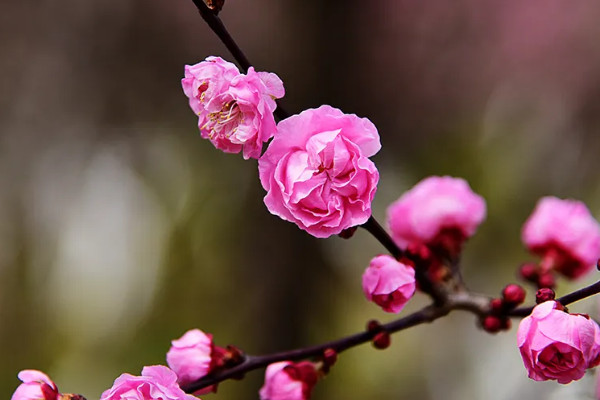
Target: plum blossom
[564,234]
[36,386]
[190,356]
[388,283]
[437,211]
[156,383]
[286,380]
[235,110]
[317,173]
[556,345]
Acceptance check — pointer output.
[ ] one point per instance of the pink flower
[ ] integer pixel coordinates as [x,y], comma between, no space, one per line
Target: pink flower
[388,283]
[316,171]
[286,380]
[565,234]
[190,356]
[156,383]
[235,111]
[556,345]
[436,211]
[36,386]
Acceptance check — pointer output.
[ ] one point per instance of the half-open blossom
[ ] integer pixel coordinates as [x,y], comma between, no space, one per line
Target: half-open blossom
[36,386]
[235,111]
[156,383]
[556,345]
[316,171]
[437,211]
[286,380]
[190,356]
[388,283]
[565,234]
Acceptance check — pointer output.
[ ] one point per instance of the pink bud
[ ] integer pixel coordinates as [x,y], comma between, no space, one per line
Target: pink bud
[286,380]
[388,283]
[556,345]
[190,356]
[565,234]
[436,211]
[36,386]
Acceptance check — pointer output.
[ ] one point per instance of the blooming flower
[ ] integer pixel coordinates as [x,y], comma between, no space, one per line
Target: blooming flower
[565,234]
[235,111]
[436,211]
[556,345]
[36,386]
[156,383]
[388,283]
[286,380]
[316,171]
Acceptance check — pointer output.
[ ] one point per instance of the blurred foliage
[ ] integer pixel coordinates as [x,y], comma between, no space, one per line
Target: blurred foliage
[120,228]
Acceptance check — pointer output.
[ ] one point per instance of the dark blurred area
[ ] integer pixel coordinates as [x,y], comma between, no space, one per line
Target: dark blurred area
[120,228]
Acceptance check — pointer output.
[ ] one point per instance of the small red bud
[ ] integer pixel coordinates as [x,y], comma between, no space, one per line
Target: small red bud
[348,233]
[544,294]
[513,295]
[496,306]
[374,326]
[492,323]
[329,357]
[546,281]
[382,340]
[529,272]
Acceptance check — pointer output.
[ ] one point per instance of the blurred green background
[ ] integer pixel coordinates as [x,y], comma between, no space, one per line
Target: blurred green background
[120,228]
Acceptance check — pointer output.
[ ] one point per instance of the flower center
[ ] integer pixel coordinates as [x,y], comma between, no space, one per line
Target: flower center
[224,123]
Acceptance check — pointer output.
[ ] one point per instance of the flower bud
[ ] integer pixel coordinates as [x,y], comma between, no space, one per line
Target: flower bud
[546,280]
[492,323]
[388,283]
[529,272]
[382,340]
[286,380]
[36,386]
[496,306]
[543,295]
[513,295]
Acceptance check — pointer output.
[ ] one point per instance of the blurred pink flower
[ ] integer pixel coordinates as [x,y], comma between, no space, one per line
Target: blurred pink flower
[156,383]
[190,356]
[286,380]
[438,210]
[565,234]
[556,345]
[235,111]
[316,171]
[36,386]
[388,283]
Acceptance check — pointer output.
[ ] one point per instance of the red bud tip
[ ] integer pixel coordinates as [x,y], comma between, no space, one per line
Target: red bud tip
[492,324]
[329,357]
[544,294]
[374,326]
[546,281]
[382,340]
[513,295]
[496,306]
[529,272]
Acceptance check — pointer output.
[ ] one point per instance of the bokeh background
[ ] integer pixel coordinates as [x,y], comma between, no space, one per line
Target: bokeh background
[120,228]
